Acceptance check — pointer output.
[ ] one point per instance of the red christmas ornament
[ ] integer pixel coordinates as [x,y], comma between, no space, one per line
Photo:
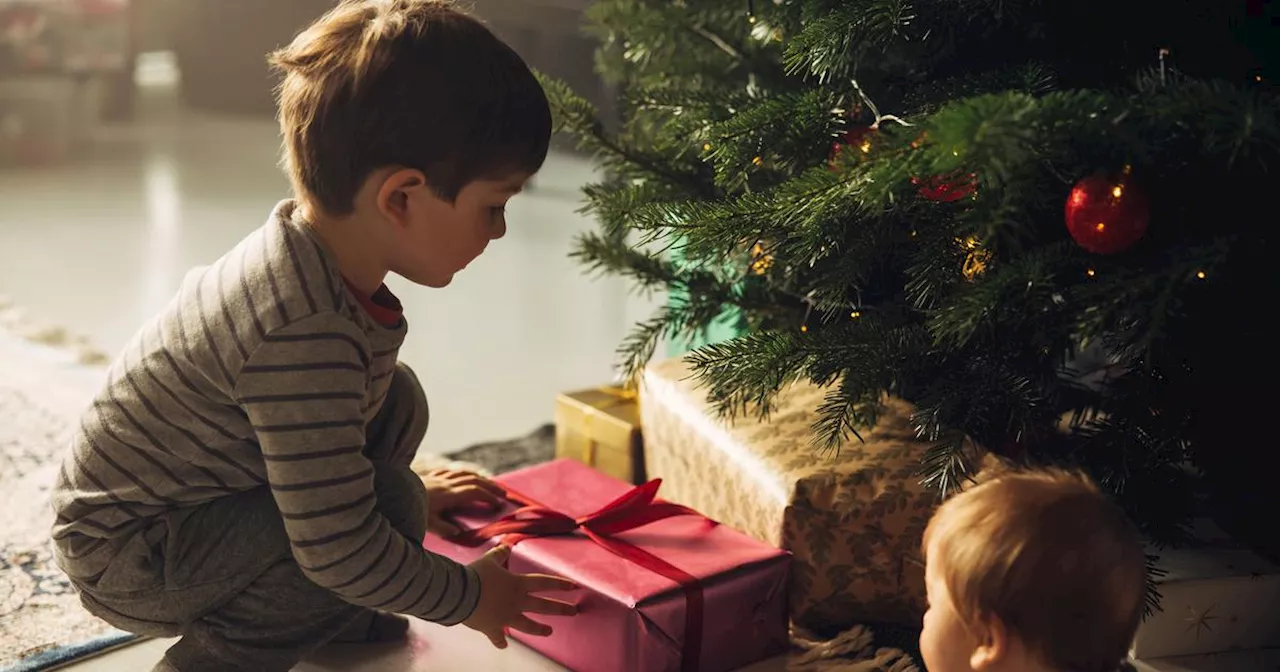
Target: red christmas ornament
[1107,213]
[947,188]
[854,139]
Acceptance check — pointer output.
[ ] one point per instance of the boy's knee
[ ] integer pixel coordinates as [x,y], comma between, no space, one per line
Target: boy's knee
[402,499]
[407,394]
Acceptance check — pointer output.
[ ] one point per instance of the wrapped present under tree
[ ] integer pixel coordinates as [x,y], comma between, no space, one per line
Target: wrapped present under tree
[663,588]
[601,428]
[853,519]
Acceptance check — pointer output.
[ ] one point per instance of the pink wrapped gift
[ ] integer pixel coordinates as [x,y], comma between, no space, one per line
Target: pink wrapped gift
[663,588]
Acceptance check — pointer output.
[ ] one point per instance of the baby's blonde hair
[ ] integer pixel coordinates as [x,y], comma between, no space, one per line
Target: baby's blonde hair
[1048,555]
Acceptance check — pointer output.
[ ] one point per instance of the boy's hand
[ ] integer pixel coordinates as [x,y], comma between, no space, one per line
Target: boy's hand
[449,490]
[505,598]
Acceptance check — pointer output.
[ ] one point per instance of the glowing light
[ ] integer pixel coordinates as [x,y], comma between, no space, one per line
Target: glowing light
[855,314]
[1117,191]
[1091,272]
[757,161]
[1101,227]
[706,147]
[1200,274]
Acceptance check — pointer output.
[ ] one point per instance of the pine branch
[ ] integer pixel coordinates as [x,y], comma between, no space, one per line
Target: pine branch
[843,410]
[576,116]
[946,466]
[745,373]
[829,46]
[636,350]
[601,255]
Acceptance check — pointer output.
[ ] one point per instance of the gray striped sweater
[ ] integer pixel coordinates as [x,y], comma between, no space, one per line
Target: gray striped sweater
[263,371]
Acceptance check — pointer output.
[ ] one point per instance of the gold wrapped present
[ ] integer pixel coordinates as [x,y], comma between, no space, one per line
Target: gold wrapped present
[601,428]
[853,519]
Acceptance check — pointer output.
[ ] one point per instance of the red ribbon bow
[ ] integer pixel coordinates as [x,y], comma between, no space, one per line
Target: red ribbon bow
[638,507]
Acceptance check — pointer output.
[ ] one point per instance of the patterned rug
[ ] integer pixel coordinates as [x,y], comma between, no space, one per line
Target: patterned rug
[45,379]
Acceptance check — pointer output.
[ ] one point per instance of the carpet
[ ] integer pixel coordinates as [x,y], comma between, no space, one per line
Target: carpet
[46,377]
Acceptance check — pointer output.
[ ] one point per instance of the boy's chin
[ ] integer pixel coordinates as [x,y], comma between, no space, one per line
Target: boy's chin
[432,280]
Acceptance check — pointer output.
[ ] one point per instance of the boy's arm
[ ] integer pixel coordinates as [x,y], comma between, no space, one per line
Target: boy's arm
[303,390]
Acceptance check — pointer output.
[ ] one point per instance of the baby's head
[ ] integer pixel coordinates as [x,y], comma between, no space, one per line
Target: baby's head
[411,118]
[1031,570]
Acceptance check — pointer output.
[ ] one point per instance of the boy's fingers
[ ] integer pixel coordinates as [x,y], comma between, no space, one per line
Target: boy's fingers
[543,605]
[531,627]
[540,583]
[498,638]
[442,527]
[477,495]
[499,554]
[477,481]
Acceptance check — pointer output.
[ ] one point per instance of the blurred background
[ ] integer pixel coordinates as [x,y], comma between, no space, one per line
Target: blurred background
[137,141]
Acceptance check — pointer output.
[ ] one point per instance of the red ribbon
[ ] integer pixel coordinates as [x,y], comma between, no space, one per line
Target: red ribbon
[638,507]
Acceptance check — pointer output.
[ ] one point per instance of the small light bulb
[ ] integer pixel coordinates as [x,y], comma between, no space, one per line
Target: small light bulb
[757,161]
[1257,78]
[706,147]
[913,234]
[1101,227]
[855,314]
[751,19]
[1117,191]
[1200,274]
[866,147]
[804,327]
[1091,272]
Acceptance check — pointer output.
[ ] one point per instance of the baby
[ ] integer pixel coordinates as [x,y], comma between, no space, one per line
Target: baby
[1031,571]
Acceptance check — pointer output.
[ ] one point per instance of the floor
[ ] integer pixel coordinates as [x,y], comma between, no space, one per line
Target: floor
[431,648]
[99,244]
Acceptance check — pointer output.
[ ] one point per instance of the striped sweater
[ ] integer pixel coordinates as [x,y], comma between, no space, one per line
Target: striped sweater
[263,371]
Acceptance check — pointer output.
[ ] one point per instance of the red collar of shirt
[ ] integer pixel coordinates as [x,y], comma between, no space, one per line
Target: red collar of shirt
[383,306]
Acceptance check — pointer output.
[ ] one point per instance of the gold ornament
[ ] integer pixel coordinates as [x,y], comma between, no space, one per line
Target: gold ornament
[975,262]
[761,261]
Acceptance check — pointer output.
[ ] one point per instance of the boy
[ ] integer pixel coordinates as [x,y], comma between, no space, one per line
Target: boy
[1031,571]
[243,479]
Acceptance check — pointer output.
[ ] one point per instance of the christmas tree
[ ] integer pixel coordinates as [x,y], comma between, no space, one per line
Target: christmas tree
[1042,223]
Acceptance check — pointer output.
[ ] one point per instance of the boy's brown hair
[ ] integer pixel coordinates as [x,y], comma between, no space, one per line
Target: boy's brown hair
[1048,555]
[406,83]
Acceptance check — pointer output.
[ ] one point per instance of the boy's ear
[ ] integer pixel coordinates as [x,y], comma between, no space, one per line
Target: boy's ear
[394,193]
[993,644]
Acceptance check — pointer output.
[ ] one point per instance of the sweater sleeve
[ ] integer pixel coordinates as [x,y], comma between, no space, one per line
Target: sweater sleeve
[303,389]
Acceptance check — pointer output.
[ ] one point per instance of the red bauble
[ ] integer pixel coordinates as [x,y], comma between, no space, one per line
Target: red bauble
[1106,213]
[947,188]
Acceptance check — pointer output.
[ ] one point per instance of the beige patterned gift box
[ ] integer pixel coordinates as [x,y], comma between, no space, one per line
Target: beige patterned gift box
[852,519]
